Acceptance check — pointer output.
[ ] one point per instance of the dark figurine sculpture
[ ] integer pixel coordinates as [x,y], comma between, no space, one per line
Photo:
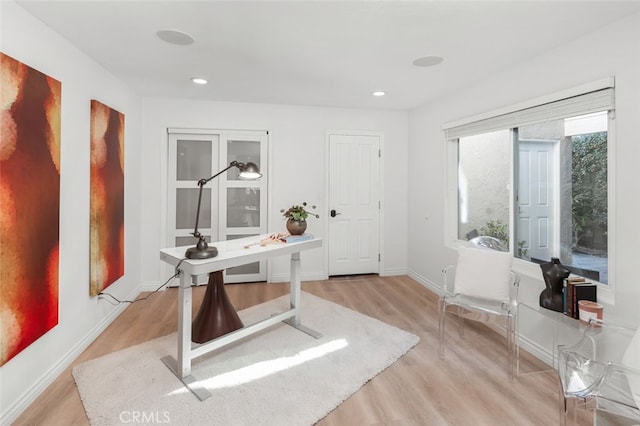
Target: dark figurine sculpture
[554,274]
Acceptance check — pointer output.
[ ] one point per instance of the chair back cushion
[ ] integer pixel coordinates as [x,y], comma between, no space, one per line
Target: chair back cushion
[631,359]
[483,273]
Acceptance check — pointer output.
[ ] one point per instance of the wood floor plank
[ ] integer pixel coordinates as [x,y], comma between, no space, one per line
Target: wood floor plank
[469,387]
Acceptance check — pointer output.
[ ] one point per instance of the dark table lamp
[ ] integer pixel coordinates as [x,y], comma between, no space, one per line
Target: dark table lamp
[248,171]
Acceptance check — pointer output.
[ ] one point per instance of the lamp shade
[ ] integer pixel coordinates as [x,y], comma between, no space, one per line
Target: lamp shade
[249,171]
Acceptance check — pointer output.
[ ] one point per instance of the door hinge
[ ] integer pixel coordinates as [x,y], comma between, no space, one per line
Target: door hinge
[378,257]
[379,153]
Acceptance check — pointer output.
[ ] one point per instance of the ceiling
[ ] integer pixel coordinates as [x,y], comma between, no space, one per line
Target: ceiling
[321,53]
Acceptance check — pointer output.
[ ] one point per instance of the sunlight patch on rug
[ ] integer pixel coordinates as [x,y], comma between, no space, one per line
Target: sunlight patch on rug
[264,368]
[278,376]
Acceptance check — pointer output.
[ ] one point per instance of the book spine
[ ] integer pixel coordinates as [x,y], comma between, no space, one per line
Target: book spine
[564,296]
[584,291]
[570,299]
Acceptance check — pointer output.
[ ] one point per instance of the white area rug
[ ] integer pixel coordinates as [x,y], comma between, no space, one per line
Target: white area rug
[280,376]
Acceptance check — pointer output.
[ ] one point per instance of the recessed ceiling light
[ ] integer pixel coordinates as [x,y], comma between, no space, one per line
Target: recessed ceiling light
[428,61]
[175,37]
[379,93]
[198,80]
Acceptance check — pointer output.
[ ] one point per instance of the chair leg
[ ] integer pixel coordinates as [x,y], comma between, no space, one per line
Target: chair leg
[442,305]
[563,408]
[569,409]
[460,322]
[511,346]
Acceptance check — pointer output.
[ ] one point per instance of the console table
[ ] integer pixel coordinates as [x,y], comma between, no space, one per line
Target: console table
[230,253]
[559,327]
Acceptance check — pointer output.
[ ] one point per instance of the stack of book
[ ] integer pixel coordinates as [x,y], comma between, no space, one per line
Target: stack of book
[297,238]
[574,290]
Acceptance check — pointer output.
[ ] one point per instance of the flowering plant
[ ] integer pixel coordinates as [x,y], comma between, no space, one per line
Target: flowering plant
[298,212]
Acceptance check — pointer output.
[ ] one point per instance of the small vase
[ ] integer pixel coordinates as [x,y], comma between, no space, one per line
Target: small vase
[296,227]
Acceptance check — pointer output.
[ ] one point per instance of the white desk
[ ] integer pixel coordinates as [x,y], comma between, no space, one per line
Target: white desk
[230,253]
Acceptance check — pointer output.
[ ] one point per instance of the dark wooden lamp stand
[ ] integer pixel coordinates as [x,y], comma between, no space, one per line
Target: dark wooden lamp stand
[216,315]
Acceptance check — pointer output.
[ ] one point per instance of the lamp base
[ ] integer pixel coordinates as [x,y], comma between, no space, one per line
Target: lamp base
[201,253]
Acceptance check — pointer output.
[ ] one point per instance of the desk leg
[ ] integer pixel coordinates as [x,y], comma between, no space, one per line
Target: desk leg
[182,367]
[294,288]
[294,295]
[185,300]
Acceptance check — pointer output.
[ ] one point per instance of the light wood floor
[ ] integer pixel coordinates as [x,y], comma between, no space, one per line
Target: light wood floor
[469,387]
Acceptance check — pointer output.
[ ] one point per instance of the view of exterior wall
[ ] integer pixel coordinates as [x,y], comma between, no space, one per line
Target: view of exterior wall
[483,183]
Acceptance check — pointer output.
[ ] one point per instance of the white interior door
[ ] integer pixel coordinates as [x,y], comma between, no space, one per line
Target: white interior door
[354,202]
[536,199]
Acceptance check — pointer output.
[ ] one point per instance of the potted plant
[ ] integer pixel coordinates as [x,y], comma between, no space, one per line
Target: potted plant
[297,217]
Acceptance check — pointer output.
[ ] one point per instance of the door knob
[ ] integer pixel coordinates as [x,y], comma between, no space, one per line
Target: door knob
[334,213]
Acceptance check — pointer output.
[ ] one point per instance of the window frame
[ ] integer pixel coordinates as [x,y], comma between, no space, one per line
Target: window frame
[454,130]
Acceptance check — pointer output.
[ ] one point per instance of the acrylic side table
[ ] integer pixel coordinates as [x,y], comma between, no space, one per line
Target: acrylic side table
[559,328]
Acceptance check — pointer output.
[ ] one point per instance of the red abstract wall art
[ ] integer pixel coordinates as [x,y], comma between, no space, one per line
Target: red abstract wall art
[29,205]
[107,196]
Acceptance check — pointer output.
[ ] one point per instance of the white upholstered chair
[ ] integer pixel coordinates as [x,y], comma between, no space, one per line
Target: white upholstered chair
[600,372]
[481,287]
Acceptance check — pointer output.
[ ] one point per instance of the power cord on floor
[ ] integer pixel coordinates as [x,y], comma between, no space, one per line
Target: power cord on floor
[115,301]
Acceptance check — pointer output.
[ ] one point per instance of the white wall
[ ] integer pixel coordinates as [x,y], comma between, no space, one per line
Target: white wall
[81,317]
[611,51]
[297,169]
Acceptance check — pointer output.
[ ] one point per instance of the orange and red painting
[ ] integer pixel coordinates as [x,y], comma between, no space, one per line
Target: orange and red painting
[30,205]
[107,196]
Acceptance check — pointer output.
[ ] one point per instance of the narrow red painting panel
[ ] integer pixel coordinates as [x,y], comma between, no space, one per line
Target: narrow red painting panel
[107,196]
[29,205]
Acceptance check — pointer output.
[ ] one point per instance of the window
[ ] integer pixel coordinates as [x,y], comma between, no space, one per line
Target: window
[536,179]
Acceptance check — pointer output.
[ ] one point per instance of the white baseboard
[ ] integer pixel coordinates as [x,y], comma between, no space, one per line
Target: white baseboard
[25,400]
[153,286]
[543,354]
[424,281]
[393,272]
[286,277]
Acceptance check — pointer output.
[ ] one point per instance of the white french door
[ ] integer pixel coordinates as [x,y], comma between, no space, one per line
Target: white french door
[191,158]
[243,202]
[354,203]
[231,208]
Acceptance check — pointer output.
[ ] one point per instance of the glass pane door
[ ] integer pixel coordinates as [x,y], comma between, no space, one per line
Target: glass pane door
[245,213]
[191,158]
